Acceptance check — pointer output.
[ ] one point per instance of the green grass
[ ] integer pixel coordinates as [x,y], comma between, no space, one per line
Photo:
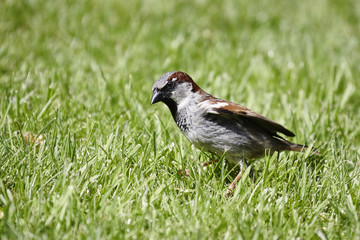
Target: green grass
[80,73]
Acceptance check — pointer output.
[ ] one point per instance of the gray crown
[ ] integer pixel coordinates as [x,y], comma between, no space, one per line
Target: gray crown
[161,82]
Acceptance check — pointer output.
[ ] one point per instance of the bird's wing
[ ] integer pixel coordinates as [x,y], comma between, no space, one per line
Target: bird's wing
[221,108]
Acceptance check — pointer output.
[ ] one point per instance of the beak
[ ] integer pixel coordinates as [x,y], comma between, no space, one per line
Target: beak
[156,97]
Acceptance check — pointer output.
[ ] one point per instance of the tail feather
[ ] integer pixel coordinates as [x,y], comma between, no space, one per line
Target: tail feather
[302,148]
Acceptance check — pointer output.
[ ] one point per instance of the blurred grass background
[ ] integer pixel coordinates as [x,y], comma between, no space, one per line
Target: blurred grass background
[80,74]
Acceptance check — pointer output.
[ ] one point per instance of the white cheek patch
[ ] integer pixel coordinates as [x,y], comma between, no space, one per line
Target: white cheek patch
[182,95]
[184,103]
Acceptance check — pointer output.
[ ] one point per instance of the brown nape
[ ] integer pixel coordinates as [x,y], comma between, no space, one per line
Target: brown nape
[183,77]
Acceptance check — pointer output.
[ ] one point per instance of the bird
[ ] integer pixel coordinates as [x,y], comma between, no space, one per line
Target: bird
[219,126]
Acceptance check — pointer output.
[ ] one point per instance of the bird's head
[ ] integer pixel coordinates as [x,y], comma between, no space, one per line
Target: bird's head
[173,87]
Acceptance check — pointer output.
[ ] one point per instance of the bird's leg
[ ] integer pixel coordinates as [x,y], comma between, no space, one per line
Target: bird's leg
[233,184]
[231,188]
[204,164]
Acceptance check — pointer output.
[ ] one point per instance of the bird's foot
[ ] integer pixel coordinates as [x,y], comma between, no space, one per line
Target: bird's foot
[185,172]
[204,164]
[228,194]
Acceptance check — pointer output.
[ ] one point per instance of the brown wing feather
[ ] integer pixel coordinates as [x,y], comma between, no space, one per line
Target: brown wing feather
[245,113]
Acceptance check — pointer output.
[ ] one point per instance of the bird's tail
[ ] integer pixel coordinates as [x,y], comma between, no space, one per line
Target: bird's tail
[302,148]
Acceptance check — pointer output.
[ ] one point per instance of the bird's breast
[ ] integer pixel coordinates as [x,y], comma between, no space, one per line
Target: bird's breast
[183,123]
[187,117]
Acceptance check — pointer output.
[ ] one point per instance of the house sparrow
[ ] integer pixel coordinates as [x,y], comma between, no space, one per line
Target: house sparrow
[220,126]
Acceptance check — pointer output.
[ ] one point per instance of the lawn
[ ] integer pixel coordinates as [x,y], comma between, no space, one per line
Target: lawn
[85,156]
